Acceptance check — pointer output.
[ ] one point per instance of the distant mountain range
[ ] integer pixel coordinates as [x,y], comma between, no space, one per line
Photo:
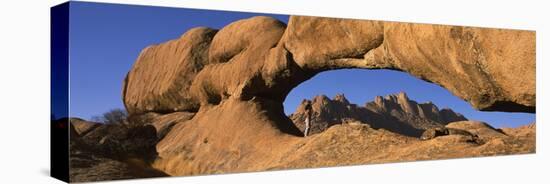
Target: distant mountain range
[396,113]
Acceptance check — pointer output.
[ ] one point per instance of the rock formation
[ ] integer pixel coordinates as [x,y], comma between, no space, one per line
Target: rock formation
[396,113]
[111,151]
[235,79]
[493,69]
[445,131]
[483,130]
[82,127]
[523,131]
[160,79]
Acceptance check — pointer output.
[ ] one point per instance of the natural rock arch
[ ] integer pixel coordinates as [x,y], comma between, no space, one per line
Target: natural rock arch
[493,69]
[236,79]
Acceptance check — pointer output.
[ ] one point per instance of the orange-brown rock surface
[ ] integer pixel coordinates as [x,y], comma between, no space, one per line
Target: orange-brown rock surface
[82,127]
[161,77]
[234,81]
[493,69]
[522,131]
[357,143]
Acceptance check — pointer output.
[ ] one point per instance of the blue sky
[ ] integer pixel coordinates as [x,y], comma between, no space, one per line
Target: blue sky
[105,40]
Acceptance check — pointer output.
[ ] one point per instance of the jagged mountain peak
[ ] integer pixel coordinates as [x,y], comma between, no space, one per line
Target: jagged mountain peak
[341,98]
[320,98]
[402,95]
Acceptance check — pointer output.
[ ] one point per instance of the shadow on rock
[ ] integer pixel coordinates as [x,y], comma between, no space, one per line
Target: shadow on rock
[113,151]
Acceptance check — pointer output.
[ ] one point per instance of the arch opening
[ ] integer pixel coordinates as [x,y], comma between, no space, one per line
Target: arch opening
[344,95]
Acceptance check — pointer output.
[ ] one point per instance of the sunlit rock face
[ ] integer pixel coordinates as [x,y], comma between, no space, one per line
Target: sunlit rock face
[234,80]
[493,69]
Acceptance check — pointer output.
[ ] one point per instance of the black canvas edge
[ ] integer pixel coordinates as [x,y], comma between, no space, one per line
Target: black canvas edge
[59,83]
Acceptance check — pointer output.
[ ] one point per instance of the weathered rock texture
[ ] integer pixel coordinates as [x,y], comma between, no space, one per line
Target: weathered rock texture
[161,77]
[82,127]
[236,79]
[357,143]
[493,69]
[396,113]
[111,151]
[523,131]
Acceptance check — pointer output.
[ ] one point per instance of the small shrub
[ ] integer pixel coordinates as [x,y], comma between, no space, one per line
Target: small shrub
[114,116]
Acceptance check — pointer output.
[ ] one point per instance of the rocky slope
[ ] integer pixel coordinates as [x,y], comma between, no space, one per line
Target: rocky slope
[111,151]
[357,143]
[396,113]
